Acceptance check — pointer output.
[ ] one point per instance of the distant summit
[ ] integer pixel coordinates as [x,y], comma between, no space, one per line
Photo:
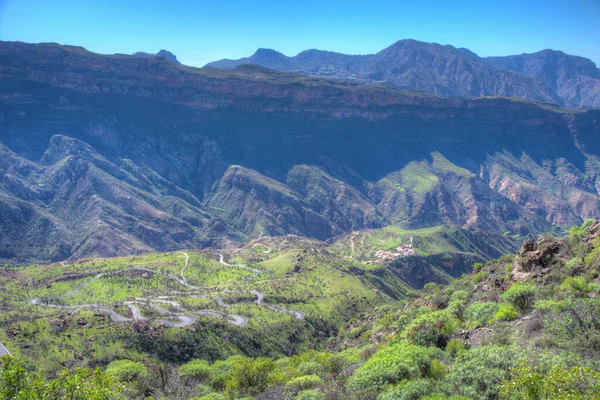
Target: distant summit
[548,76]
[163,53]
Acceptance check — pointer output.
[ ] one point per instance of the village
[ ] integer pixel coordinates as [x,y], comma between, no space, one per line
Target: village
[402,250]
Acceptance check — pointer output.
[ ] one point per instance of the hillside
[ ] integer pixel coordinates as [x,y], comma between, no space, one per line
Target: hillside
[548,76]
[149,155]
[523,326]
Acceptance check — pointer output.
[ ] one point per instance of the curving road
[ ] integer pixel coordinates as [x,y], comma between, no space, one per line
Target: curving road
[263,245]
[4,351]
[260,296]
[183,317]
[222,261]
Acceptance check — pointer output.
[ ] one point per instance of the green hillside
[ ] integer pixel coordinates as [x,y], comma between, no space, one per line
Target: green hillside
[522,326]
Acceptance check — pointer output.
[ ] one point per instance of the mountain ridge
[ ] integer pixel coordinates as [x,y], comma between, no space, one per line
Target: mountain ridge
[210,156]
[444,70]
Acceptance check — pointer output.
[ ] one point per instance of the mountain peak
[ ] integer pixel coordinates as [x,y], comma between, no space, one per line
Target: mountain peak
[268,53]
[168,55]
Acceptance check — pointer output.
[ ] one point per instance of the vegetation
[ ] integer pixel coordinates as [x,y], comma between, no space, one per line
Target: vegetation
[486,335]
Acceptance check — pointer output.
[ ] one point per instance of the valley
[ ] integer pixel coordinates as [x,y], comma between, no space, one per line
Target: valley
[252,233]
[290,283]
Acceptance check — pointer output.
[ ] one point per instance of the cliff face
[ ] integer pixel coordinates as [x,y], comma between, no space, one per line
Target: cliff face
[170,156]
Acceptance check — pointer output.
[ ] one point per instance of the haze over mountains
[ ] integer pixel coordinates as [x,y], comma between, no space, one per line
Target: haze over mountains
[547,76]
[106,155]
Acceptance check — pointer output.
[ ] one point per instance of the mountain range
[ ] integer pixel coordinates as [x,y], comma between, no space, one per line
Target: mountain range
[547,76]
[111,155]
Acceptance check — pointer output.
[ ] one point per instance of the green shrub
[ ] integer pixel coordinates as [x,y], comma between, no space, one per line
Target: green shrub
[303,383]
[311,368]
[521,296]
[212,396]
[559,383]
[356,332]
[351,355]
[437,369]
[455,346]
[410,390]
[481,276]
[477,267]
[572,318]
[126,370]
[220,372]
[19,384]
[197,370]
[478,373]
[506,313]
[587,224]
[594,253]
[393,364]
[428,334]
[429,286]
[507,270]
[574,266]
[481,313]
[249,376]
[309,395]
[576,286]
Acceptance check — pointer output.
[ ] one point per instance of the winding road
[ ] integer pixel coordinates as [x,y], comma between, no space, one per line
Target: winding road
[183,317]
[4,351]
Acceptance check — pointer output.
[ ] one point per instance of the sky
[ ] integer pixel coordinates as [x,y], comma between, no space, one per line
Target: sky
[200,31]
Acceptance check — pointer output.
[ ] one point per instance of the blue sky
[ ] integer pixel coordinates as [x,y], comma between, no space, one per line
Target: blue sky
[200,31]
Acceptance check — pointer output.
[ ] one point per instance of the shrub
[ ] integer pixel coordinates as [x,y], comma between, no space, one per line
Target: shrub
[576,286]
[310,368]
[249,376]
[507,271]
[572,318]
[393,364]
[481,276]
[477,267]
[410,390]
[587,224]
[309,395]
[506,313]
[434,328]
[126,370]
[356,332]
[559,383]
[574,266]
[220,372]
[429,286]
[212,396]
[521,296]
[351,355]
[594,254]
[17,383]
[455,346]
[478,373]
[303,383]
[437,369]
[197,370]
[481,313]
